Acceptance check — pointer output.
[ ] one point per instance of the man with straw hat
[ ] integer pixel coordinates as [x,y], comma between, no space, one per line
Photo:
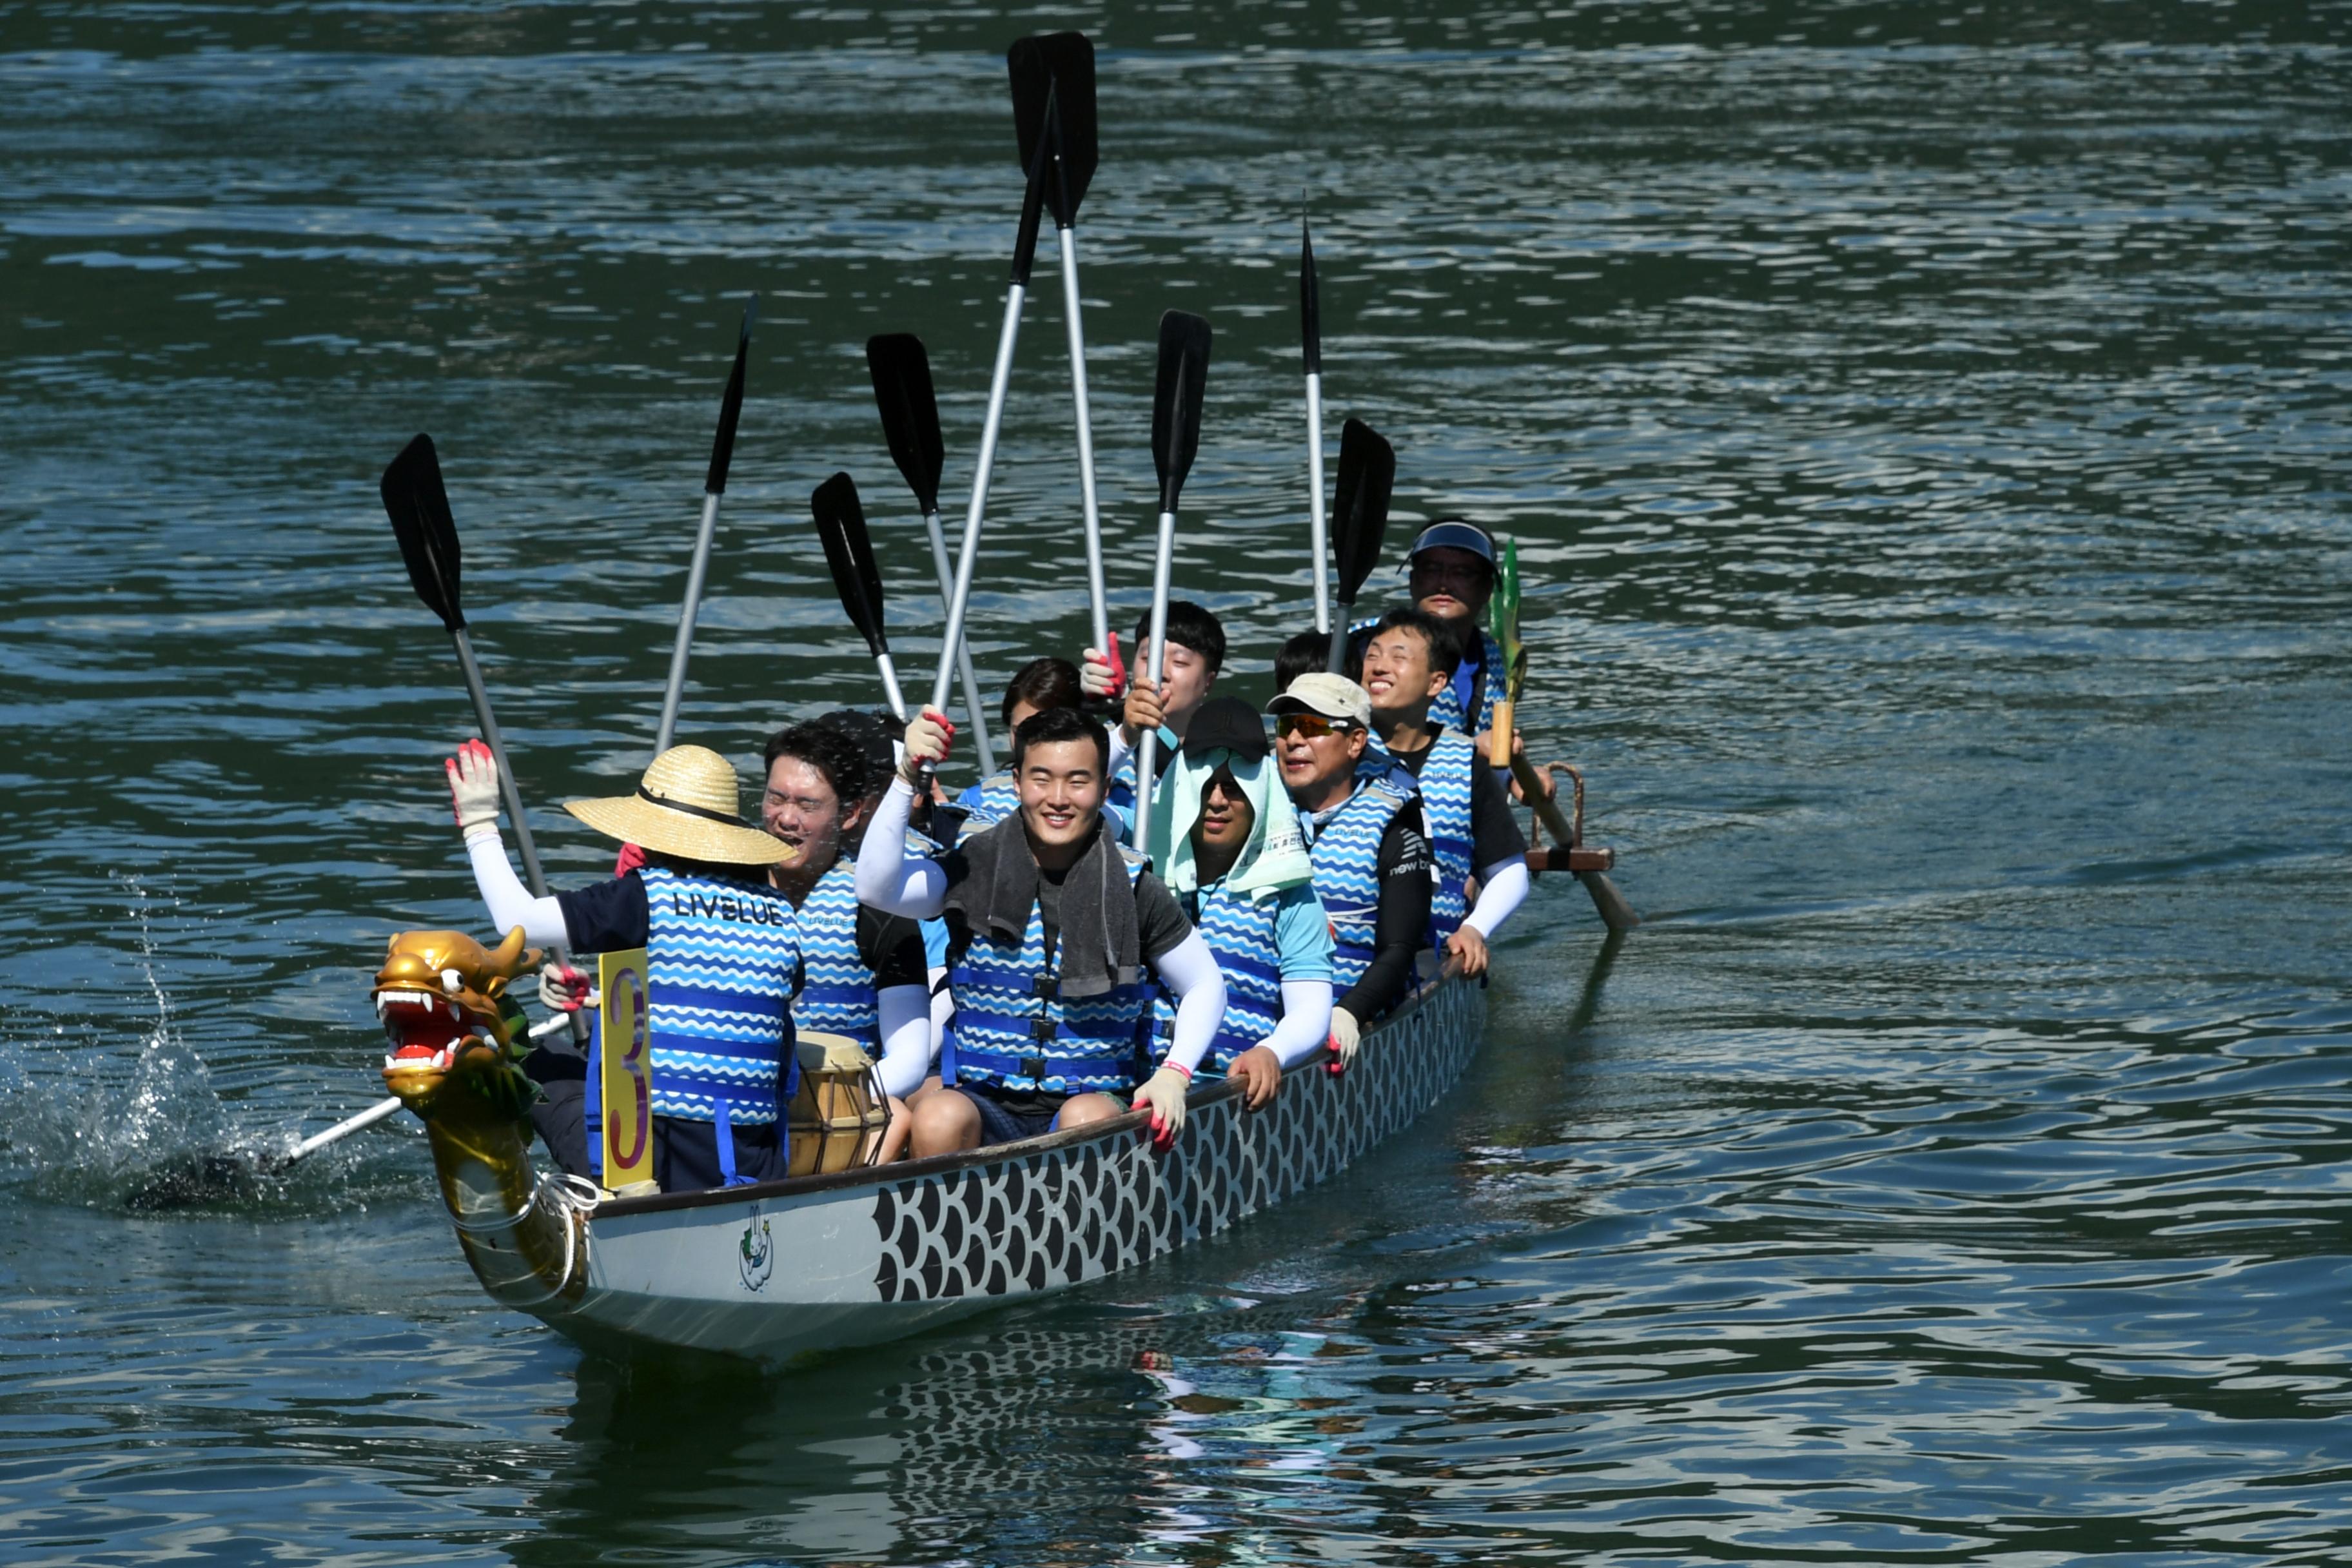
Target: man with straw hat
[1361,815]
[722,953]
[1052,929]
[1228,842]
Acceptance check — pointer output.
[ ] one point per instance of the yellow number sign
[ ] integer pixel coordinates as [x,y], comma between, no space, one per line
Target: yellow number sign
[627,1070]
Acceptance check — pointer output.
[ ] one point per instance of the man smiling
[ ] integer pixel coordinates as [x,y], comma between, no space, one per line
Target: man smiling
[1051,928]
[1410,658]
[1368,844]
[866,974]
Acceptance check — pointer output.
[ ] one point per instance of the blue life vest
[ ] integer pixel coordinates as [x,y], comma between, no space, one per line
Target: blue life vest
[722,962]
[1014,1028]
[1345,855]
[1448,774]
[990,802]
[1473,685]
[838,997]
[1118,798]
[1240,933]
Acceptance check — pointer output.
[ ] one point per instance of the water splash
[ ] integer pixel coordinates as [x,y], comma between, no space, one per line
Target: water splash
[158,1136]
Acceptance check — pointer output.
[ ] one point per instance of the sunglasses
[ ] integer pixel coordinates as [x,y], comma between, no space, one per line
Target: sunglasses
[1313,726]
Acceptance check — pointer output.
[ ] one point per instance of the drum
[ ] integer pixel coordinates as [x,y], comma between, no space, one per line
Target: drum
[840,1111]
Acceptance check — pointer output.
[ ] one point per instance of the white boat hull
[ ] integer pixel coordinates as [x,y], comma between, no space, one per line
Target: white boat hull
[784,1268]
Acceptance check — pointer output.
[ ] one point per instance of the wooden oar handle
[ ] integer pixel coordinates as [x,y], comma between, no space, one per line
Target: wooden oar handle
[1532,784]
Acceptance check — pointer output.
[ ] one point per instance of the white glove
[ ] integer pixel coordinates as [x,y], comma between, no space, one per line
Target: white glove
[1346,1036]
[474,789]
[1163,1094]
[928,735]
[564,989]
[1102,674]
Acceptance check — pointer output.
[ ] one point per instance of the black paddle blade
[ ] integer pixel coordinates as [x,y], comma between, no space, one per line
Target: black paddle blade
[1059,69]
[1176,406]
[1033,204]
[730,407]
[911,412]
[1361,514]
[419,509]
[1310,306]
[841,524]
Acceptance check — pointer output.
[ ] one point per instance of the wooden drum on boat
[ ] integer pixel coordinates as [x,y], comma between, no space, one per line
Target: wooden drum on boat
[840,1110]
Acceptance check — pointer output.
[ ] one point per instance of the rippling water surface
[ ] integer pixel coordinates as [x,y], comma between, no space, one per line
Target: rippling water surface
[1926,430]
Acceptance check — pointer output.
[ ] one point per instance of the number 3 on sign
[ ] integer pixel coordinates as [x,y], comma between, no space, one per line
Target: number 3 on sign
[628,1076]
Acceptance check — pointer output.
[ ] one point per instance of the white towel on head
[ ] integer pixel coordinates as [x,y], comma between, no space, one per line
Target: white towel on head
[1275,858]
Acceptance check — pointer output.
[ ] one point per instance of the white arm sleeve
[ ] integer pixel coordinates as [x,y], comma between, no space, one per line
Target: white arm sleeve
[1502,888]
[905,1037]
[511,906]
[1191,971]
[1306,1026]
[885,879]
[1119,750]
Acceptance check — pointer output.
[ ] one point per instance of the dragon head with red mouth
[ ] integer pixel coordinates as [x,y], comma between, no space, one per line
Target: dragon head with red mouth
[440,995]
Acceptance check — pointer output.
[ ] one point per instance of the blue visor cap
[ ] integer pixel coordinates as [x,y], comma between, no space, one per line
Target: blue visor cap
[1454,534]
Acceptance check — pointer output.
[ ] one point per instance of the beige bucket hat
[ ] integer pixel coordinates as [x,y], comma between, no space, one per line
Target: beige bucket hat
[688,804]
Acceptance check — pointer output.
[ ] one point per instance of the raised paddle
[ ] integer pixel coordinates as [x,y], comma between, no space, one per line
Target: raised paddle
[910,424]
[1052,80]
[841,525]
[714,485]
[1175,442]
[1360,518]
[1310,338]
[1025,252]
[418,505]
[1502,618]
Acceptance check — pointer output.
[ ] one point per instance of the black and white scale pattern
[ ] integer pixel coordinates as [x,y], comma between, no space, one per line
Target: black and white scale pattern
[1043,1220]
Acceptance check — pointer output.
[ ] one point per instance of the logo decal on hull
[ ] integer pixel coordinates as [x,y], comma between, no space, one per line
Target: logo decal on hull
[758,1250]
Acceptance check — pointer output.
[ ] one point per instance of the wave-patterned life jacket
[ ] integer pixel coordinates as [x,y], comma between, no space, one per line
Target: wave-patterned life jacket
[1240,932]
[995,798]
[1486,686]
[1345,855]
[838,997]
[722,960]
[1119,796]
[1448,774]
[1014,1028]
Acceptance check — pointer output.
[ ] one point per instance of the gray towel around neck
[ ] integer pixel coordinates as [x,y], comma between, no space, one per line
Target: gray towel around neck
[1100,941]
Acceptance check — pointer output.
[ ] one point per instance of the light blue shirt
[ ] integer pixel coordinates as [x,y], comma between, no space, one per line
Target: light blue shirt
[1302,934]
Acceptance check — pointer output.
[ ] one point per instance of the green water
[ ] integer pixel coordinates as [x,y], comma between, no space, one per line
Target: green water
[1925,432]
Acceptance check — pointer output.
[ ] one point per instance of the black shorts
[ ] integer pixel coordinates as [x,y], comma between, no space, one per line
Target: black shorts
[1003,1119]
[686,1153]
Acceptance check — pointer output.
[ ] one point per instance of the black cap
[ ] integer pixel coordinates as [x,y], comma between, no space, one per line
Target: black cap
[1227,724]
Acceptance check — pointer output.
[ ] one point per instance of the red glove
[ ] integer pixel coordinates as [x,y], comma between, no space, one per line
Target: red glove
[631,857]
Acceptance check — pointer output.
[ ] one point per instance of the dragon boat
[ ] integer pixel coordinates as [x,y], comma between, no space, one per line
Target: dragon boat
[779,1270]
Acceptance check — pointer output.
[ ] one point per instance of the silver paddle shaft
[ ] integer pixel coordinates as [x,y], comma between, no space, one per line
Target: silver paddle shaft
[1316,520]
[523,844]
[1096,600]
[890,685]
[1147,751]
[687,612]
[969,555]
[963,651]
[344,1129]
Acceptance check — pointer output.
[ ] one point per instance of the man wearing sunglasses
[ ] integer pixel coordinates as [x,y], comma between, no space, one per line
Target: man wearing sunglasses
[1368,844]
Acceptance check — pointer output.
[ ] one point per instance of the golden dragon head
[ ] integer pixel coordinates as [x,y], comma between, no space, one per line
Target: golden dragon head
[439,994]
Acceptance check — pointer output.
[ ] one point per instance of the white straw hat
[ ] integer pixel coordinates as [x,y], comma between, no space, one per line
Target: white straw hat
[687,804]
